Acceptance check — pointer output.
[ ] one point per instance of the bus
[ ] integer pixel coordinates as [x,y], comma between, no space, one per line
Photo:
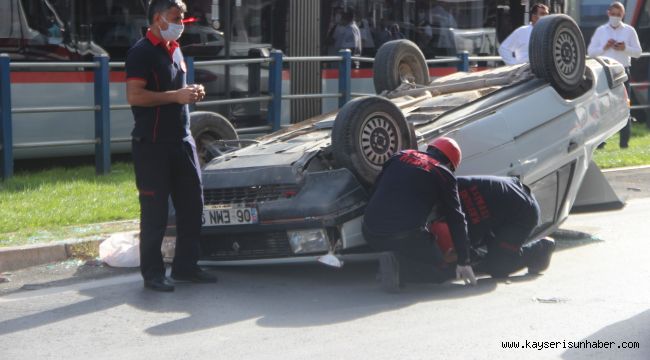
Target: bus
[76,30]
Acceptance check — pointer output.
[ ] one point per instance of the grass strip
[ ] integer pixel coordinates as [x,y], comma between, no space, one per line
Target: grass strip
[38,205]
[638,152]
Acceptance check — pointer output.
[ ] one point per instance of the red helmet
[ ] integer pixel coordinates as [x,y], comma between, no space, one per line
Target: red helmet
[443,237]
[449,147]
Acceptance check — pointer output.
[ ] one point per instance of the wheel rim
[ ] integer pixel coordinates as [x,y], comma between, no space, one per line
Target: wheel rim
[380,139]
[565,54]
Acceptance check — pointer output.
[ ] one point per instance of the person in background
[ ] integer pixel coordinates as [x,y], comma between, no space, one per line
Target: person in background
[367,40]
[389,31]
[514,50]
[346,34]
[618,41]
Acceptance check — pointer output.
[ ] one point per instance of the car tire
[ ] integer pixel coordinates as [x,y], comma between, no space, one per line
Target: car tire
[367,131]
[207,127]
[557,52]
[397,61]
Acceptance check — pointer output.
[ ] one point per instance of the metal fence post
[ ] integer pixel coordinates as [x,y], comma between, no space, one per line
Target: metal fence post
[274,114]
[189,75]
[464,61]
[255,78]
[6,152]
[345,77]
[102,117]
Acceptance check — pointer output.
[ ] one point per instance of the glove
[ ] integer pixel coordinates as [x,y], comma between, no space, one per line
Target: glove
[466,273]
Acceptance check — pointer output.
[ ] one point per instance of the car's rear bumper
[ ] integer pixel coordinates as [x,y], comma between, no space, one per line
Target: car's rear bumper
[309,259]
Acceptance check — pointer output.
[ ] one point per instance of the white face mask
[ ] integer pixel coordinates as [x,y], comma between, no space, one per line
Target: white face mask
[615,21]
[173,31]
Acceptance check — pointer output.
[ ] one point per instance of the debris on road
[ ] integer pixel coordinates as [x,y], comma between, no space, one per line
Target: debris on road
[551,300]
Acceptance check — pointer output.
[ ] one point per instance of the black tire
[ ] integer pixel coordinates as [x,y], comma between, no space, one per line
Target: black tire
[367,131]
[207,127]
[397,61]
[557,52]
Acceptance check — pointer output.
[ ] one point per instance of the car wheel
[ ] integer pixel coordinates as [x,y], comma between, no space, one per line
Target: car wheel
[399,61]
[367,132]
[557,52]
[207,127]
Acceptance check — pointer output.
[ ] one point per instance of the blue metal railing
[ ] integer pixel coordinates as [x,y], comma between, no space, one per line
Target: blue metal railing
[101,109]
[102,106]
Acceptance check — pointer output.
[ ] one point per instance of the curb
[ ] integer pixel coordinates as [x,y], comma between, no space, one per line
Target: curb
[626,168]
[19,257]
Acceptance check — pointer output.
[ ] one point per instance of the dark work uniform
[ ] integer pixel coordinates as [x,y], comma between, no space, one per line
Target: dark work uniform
[409,186]
[501,213]
[165,160]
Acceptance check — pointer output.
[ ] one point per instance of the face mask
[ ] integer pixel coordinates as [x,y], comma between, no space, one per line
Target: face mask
[173,31]
[615,21]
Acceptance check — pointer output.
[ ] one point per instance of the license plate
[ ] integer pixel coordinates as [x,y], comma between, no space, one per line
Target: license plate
[216,215]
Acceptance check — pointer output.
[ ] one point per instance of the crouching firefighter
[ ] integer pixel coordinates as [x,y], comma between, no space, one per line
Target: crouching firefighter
[501,214]
[410,184]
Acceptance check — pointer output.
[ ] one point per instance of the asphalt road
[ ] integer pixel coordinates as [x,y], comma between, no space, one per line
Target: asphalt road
[596,290]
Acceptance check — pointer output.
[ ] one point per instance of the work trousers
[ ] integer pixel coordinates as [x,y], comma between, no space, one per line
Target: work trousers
[506,252]
[420,259]
[163,170]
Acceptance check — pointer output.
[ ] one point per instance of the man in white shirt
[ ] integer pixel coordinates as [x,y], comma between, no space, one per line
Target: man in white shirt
[514,50]
[618,41]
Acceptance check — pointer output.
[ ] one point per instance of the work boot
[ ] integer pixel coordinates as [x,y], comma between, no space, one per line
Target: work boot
[198,276]
[538,255]
[159,283]
[389,272]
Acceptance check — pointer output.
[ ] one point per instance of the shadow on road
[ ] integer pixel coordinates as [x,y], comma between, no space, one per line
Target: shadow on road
[283,296]
[634,329]
[273,296]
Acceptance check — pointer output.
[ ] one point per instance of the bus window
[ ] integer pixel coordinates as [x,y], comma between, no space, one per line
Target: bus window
[17,23]
[439,27]
[46,19]
[250,26]
[117,24]
[14,31]
[35,30]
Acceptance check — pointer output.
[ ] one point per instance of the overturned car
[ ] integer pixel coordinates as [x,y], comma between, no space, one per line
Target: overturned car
[300,193]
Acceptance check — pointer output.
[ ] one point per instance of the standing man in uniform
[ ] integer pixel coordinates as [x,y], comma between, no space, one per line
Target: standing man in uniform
[501,213]
[514,49]
[618,41]
[406,191]
[164,152]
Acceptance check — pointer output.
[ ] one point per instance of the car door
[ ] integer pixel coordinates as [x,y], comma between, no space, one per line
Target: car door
[487,146]
[547,132]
